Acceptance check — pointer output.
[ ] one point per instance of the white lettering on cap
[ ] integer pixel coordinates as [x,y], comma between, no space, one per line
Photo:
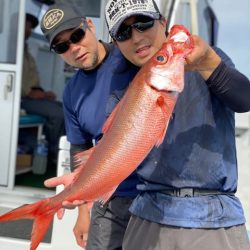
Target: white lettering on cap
[120,8]
[52,18]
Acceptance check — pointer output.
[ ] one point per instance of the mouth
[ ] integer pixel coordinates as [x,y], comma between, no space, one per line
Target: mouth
[143,51]
[81,57]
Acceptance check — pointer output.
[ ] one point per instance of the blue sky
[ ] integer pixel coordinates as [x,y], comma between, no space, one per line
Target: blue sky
[234,31]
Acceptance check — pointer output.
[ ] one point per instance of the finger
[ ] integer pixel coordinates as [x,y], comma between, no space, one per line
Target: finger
[72,205]
[79,241]
[82,240]
[68,205]
[78,202]
[55,181]
[60,213]
[80,236]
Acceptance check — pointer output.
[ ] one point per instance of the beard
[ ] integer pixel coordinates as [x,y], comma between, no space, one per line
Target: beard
[94,62]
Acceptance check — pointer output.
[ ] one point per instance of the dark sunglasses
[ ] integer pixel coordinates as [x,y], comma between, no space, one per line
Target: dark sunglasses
[75,37]
[141,24]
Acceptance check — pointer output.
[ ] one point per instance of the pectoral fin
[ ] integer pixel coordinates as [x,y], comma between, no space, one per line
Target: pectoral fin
[81,158]
[166,103]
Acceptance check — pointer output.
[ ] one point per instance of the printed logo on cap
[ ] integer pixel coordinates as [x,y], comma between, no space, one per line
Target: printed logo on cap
[52,18]
[119,8]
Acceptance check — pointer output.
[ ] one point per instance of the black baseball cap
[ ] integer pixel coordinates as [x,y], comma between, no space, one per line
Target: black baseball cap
[59,17]
[32,19]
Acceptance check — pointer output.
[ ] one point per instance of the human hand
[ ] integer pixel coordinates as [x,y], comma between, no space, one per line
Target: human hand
[65,180]
[72,205]
[202,58]
[81,227]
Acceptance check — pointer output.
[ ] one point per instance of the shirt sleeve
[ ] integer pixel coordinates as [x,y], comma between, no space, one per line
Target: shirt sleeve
[230,86]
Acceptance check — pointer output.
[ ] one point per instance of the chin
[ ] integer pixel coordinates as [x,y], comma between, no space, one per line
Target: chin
[140,61]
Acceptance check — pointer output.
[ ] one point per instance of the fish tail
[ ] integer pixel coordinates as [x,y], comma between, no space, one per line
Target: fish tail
[40,227]
[37,211]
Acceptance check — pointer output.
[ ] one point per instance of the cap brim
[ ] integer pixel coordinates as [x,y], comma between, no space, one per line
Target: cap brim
[70,24]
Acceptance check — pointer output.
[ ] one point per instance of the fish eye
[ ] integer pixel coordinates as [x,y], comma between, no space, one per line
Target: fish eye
[161,59]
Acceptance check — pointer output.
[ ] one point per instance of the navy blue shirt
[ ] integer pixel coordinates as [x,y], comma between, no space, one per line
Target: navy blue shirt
[198,152]
[85,100]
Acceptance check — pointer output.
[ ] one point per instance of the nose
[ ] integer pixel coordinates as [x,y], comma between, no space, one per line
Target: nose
[136,36]
[74,47]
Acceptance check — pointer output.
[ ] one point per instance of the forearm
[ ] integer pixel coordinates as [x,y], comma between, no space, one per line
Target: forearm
[83,212]
[231,87]
[81,227]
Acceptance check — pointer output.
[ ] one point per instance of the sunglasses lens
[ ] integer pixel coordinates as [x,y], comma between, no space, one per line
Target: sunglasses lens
[124,34]
[75,37]
[61,48]
[141,24]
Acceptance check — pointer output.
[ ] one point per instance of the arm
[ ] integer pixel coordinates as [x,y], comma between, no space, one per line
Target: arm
[231,87]
[83,220]
[81,227]
[216,68]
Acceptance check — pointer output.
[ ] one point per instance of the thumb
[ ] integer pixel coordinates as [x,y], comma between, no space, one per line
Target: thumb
[55,181]
[60,213]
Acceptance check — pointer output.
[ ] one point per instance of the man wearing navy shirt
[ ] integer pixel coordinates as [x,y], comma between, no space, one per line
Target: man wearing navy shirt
[187,196]
[101,70]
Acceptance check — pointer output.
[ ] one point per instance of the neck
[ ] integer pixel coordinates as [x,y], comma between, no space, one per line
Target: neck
[101,52]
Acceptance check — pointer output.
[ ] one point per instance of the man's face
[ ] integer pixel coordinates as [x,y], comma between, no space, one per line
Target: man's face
[142,45]
[83,54]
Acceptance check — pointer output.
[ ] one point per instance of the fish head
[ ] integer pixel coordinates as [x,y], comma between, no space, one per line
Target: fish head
[166,67]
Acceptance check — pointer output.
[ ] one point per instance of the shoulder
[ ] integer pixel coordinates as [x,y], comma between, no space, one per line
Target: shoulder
[116,60]
[121,64]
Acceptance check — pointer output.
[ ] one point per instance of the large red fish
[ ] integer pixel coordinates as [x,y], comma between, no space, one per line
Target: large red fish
[138,123]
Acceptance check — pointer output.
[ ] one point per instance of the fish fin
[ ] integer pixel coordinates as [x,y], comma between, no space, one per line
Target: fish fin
[111,117]
[81,158]
[105,197]
[162,103]
[26,211]
[40,212]
[40,227]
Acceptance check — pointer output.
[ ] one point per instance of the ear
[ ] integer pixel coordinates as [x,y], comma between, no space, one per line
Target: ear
[91,25]
[163,22]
